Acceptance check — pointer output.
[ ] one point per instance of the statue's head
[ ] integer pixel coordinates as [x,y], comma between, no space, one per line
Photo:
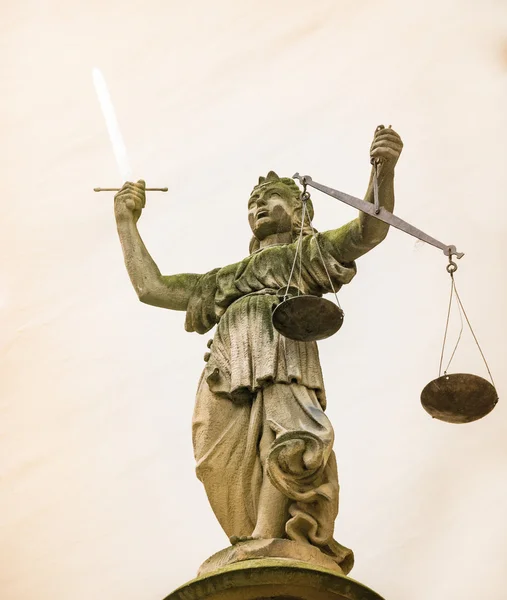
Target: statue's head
[275,206]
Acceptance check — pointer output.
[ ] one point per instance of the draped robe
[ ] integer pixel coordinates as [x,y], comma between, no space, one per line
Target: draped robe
[255,378]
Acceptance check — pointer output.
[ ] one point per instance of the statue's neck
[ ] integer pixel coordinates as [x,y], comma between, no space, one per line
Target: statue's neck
[275,239]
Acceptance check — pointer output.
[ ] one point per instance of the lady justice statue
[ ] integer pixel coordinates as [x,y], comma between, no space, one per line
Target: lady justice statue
[262,441]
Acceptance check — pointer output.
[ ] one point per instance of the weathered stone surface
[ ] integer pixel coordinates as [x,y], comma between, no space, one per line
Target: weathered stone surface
[262,441]
[269,578]
[274,548]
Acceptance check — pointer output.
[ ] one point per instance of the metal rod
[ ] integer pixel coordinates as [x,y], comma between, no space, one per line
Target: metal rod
[98,189]
[376,201]
[382,215]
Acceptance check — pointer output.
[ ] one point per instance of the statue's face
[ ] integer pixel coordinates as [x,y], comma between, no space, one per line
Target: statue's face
[270,210]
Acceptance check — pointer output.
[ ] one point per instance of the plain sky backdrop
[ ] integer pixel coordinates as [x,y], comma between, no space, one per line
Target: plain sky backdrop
[98,497]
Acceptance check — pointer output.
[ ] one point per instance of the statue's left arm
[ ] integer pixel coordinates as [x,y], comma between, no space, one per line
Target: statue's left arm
[362,234]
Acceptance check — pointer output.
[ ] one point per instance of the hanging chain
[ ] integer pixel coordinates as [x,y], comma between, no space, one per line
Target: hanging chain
[451,268]
[305,196]
[299,248]
[453,291]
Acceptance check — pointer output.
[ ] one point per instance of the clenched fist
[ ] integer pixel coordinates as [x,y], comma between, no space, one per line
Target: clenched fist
[130,201]
[386,147]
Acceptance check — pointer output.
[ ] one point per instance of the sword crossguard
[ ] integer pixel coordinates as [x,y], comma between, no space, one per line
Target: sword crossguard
[99,189]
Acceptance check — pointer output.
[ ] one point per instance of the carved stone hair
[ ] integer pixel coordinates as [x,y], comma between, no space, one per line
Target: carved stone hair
[295,193]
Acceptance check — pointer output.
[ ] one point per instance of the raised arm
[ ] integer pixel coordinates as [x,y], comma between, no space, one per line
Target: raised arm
[172,291]
[362,234]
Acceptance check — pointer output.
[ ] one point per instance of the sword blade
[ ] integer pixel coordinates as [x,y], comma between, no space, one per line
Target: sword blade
[113,129]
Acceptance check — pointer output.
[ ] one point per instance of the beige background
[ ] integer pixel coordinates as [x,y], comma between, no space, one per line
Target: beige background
[97,493]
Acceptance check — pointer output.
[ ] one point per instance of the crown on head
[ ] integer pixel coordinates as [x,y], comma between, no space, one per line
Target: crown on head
[272,178]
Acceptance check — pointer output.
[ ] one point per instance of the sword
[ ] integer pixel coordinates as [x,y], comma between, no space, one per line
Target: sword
[113,129]
[379,213]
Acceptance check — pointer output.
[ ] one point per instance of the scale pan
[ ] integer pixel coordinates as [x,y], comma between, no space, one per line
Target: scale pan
[307,318]
[459,398]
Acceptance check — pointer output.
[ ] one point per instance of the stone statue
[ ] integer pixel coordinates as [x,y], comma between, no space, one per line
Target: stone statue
[262,441]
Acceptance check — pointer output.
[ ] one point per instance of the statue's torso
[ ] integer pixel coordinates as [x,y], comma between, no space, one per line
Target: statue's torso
[247,352]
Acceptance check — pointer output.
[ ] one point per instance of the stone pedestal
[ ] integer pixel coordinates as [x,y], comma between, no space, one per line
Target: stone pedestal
[273,578]
[272,548]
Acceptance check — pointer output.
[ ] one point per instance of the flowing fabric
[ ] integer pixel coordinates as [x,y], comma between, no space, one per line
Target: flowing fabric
[257,380]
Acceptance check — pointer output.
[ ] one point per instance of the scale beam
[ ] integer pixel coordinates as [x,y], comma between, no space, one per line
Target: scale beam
[379,213]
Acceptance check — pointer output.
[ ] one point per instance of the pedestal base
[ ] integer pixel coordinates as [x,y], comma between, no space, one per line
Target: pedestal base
[271,548]
[270,578]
